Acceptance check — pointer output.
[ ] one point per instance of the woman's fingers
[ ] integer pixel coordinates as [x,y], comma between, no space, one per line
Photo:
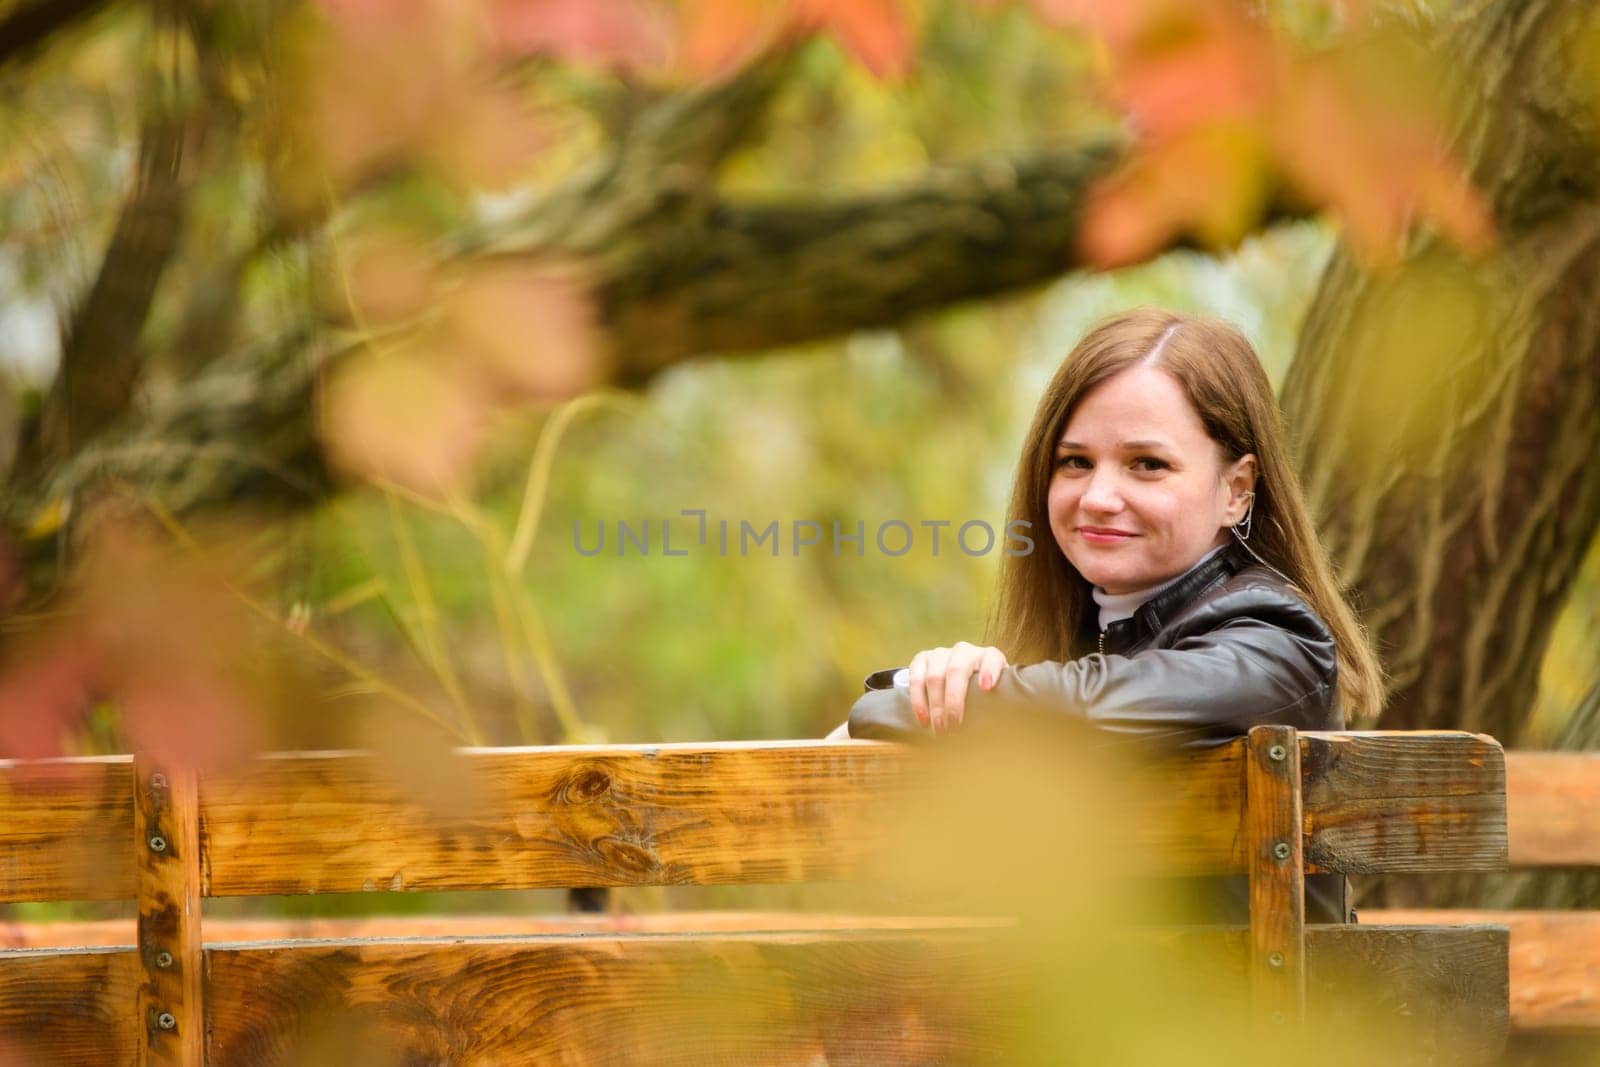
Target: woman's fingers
[939,678]
[990,666]
[916,673]
[959,671]
[934,662]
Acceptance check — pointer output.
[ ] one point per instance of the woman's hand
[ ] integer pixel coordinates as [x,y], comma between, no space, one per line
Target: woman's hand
[939,678]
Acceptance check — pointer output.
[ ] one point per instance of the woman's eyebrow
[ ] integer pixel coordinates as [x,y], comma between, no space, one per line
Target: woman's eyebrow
[1126,446]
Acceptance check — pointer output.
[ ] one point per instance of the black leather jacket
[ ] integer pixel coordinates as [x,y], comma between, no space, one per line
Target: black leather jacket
[1228,647]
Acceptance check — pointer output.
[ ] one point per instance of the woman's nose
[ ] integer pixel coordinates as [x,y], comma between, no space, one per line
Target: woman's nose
[1101,494]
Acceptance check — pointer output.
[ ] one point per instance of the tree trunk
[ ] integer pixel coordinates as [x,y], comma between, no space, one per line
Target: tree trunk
[1447,412]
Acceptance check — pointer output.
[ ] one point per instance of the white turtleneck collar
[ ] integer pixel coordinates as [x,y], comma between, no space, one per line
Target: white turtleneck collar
[1114,607]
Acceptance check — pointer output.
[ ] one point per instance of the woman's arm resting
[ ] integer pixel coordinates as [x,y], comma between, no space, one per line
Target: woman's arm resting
[1273,663]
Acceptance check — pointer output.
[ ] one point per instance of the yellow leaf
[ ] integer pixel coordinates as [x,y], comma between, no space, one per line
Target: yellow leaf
[48,519]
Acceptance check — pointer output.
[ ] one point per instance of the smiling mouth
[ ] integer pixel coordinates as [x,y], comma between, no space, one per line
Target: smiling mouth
[1102,536]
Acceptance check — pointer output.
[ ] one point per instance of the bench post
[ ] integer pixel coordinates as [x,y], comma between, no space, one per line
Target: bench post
[1277,875]
[166,819]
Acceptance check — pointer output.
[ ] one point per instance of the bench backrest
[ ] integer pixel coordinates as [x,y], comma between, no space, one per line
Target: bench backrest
[1274,805]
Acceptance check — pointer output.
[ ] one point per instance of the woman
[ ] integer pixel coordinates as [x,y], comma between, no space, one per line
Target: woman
[1185,595]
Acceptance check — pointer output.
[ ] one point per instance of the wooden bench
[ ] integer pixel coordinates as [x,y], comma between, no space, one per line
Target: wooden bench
[801,988]
[1552,803]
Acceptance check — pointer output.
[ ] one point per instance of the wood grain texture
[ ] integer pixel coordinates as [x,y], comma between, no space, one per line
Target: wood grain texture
[1277,876]
[706,814]
[64,829]
[166,841]
[68,1008]
[713,814]
[1418,994]
[1404,801]
[1401,995]
[864,997]
[767,812]
[1551,800]
[853,996]
[840,997]
[1554,961]
[1188,812]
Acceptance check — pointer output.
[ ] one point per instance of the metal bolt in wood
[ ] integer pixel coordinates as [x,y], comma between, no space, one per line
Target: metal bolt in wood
[158,843]
[1275,960]
[158,781]
[1281,850]
[1277,753]
[167,1021]
[163,960]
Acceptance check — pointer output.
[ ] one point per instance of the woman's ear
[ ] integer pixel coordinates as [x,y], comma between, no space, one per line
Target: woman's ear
[1240,478]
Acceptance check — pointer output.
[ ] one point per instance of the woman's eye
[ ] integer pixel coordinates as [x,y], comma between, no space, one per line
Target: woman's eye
[1150,463]
[1075,463]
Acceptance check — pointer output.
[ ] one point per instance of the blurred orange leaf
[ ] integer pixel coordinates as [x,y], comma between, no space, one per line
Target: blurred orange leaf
[1225,108]
[402,416]
[530,326]
[720,35]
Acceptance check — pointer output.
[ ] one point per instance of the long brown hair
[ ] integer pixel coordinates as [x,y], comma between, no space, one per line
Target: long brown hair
[1044,604]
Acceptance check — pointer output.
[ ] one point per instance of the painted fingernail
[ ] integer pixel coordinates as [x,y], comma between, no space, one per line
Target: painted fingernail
[987,681]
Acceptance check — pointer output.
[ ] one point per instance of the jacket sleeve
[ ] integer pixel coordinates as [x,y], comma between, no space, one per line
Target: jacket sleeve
[1251,656]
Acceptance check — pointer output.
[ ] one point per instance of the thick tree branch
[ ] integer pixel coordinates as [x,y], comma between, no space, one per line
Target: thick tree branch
[749,277]
[100,359]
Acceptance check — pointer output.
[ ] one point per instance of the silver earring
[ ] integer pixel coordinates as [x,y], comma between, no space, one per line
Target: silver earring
[1241,529]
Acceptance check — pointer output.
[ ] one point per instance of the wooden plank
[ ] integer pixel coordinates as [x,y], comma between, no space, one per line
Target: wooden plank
[1551,801]
[166,842]
[62,823]
[1277,876]
[768,812]
[64,829]
[62,1008]
[837,997]
[1554,962]
[1411,994]
[851,997]
[626,815]
[1404,801]
[1188,812]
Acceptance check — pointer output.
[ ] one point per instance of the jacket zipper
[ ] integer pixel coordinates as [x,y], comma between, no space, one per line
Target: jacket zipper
[1102,642]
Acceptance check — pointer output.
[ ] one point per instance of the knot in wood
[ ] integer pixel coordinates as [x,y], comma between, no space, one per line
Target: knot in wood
[591,784]
[627,855]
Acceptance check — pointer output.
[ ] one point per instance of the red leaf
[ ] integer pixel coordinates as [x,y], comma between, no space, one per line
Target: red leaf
[44,693]
[626,33]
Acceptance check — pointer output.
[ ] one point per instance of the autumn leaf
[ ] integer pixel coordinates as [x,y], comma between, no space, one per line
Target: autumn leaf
[529,327]
[620,33]
[718,36]
[402,415]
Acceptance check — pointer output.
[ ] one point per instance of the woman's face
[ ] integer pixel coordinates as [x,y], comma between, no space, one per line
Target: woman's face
[1139,491]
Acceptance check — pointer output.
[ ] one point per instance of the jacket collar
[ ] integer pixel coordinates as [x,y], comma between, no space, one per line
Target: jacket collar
[1156,612]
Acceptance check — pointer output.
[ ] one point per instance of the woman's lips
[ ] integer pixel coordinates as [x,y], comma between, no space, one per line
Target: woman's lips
[1102,536]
